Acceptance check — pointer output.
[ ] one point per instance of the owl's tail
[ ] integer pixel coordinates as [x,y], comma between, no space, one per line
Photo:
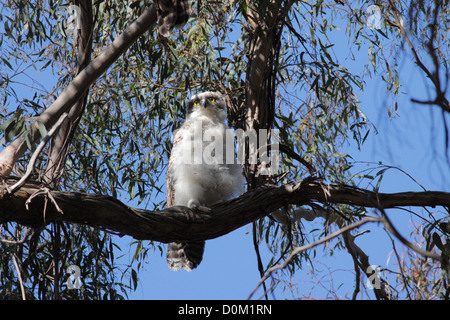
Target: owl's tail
[187,255]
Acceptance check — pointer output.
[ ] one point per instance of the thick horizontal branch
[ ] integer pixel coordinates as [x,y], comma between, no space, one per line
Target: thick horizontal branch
[182,223]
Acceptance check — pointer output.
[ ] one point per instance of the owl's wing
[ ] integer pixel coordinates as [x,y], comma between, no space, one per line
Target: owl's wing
[169,176]
[187,255]
[169,187]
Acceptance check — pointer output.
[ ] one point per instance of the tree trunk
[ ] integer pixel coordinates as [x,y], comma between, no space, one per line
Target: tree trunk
[59,146]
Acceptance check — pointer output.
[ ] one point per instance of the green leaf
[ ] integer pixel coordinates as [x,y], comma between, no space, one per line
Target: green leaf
[134,277]
[437,241]
[41,128]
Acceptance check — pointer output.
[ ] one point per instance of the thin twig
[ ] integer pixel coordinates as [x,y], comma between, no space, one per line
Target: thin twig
[258,257]
[25,237]
[35,155]
[402,272]
[440,100]
[388,224]
[311,245]
[48,194]
[16,266]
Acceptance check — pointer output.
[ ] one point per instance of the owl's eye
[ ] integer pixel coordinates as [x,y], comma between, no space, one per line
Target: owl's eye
[196,102]
[212,99]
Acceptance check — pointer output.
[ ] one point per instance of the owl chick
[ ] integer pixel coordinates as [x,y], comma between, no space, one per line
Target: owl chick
[202,169]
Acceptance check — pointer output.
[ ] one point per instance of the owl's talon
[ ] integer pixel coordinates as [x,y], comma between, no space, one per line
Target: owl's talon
[217,203]
[204,209]
[194,204]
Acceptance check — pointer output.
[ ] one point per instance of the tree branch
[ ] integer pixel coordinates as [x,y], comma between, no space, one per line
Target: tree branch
[360,258]
[440,99]
[36,153]
[78,86]
[183,224]
[59,146]
[297,250]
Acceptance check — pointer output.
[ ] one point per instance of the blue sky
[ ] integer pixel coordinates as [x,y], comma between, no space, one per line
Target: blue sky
[413,141]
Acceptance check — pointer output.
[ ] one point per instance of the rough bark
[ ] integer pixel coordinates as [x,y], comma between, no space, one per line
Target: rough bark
[183,224]
[262,47]
[59,147]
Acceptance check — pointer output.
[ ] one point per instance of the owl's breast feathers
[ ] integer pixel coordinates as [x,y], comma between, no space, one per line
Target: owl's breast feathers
[207,174]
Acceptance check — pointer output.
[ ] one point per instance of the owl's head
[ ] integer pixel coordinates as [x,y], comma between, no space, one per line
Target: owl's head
[208,104]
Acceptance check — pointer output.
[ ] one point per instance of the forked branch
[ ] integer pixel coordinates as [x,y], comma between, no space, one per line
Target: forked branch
[183,224]
[78,87]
